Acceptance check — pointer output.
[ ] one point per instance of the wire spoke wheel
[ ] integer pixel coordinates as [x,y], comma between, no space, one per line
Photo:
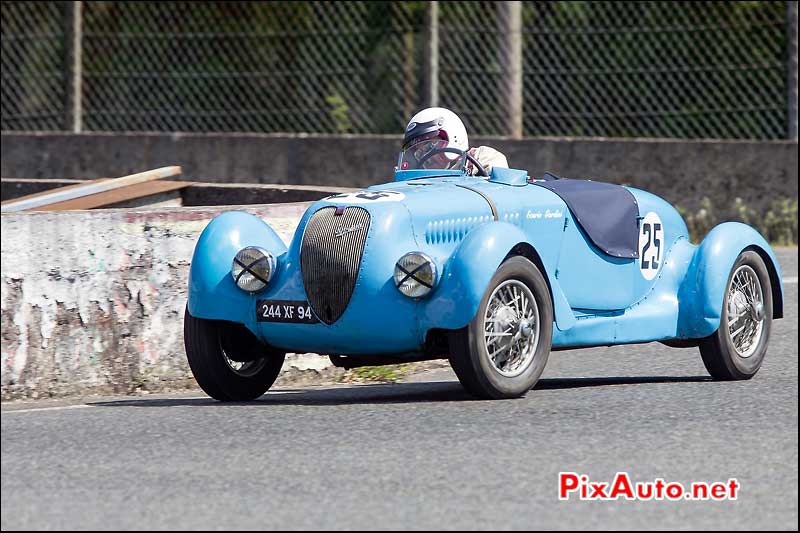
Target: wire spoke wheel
[503,350]
[745,301]
[737,349]
[511,328]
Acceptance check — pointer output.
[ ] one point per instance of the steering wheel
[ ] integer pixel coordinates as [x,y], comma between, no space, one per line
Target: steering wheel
[471,159]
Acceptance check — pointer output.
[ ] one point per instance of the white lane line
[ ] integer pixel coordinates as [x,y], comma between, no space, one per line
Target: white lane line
[789,281]
[37,409]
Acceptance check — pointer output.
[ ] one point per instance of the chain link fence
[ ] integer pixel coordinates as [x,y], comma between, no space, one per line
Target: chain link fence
[656,69]
[32,92]
[611,69]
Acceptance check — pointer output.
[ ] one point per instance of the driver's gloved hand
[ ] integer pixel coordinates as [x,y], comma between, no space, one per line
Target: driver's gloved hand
[488,157]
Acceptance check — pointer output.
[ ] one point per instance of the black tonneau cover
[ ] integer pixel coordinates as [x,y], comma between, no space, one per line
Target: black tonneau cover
[607,213]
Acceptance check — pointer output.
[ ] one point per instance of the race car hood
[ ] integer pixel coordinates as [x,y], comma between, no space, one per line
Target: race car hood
[428,211]
[440,211]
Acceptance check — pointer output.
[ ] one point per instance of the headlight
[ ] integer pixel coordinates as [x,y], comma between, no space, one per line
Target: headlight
[252,268]
[415,275]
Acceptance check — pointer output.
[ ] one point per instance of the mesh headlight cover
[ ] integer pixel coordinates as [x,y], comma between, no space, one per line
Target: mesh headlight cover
[415,274]
[252,268]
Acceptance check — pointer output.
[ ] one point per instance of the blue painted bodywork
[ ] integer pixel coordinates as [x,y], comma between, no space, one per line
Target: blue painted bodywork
[597,299]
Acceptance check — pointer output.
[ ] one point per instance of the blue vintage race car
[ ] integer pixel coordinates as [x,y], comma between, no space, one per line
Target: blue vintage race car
[491,272]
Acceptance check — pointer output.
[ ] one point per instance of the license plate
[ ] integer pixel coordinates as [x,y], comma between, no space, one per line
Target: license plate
[295,312]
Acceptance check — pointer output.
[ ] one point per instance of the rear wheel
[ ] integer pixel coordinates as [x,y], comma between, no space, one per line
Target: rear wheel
[503,351]
[228,361]
[737,349]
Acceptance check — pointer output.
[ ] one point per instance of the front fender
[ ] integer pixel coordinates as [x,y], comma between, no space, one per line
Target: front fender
[212,291]
[470,268]
[702,293]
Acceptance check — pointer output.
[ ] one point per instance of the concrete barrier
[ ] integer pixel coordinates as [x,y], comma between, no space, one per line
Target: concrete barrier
[710,180]
[682,171]
[93,301]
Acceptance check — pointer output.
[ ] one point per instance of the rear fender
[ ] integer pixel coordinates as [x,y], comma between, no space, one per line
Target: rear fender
[702,292]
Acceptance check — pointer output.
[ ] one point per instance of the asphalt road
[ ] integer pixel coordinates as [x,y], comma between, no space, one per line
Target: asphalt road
[420,454]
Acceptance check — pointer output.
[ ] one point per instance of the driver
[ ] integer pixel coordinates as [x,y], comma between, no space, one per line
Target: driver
[436,128]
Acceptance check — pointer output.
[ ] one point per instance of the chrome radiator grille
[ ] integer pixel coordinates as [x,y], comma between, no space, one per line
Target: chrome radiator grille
[330,256]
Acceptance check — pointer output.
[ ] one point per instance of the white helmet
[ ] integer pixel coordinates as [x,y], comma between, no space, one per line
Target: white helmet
[436,124]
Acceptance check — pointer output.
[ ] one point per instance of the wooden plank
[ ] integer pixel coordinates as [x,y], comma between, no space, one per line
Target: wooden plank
[95,186]
[11,189]
[115,196]
[44,193]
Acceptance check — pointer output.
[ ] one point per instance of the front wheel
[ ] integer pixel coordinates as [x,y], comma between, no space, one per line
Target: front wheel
[737,349]
[503,351]
[229,363]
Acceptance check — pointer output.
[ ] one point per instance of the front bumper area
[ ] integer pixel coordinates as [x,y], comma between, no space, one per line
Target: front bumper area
[376,319]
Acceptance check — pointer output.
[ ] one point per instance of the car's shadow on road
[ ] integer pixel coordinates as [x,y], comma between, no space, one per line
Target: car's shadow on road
[387,393]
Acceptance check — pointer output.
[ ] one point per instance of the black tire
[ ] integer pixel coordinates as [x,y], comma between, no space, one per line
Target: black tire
[469,356]
[208,342]
[719,354]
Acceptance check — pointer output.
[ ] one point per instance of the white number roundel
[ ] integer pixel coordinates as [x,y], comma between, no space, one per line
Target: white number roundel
[651,245]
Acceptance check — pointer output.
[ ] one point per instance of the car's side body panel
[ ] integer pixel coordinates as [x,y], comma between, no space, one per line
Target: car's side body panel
[581,266]
[653,317]
[623,306]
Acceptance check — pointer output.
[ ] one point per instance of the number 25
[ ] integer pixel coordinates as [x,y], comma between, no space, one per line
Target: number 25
[652,240]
